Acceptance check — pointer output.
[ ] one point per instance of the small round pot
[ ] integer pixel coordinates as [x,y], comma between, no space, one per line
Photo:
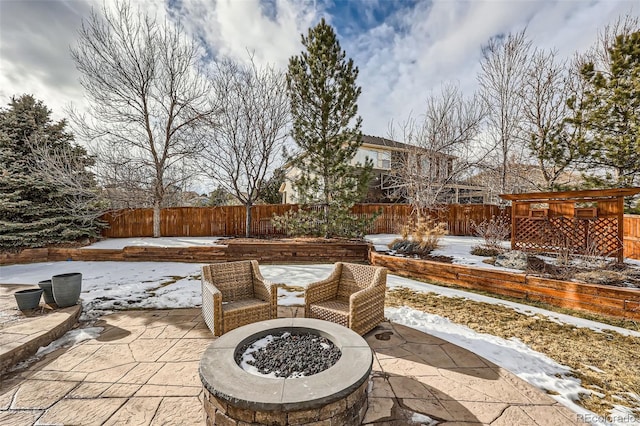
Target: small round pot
[66,288]
[48,292]
[28,299]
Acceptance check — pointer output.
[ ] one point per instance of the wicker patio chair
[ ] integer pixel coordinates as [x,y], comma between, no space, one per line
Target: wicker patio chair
[353,296]
[235,294]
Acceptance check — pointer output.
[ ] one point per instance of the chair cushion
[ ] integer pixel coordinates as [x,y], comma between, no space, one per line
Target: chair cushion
[245,311]
[230,307]
[332,310]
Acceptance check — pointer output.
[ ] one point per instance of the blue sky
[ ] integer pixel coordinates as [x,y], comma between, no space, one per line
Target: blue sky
[352,18]
[404,49]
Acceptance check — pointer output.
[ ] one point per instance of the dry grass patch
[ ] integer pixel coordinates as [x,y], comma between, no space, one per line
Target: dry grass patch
[292,288]
[582,349]
[291,291]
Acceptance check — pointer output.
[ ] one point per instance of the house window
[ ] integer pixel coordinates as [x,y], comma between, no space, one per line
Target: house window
[384,160]
[380,159]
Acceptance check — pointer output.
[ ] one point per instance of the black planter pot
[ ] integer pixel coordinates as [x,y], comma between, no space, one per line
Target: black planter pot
[48,292]
[66,288]
[28,299]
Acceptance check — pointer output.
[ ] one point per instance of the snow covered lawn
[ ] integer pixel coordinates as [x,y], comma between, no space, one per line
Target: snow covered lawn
[120,243]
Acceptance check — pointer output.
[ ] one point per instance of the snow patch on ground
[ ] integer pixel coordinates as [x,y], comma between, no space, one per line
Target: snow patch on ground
[423,420]
[288,297]
[456,247]
[70,338]
[512,355]
[120,243]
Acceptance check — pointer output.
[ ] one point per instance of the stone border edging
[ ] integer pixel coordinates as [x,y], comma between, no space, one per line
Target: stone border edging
[69,318]
[605,300]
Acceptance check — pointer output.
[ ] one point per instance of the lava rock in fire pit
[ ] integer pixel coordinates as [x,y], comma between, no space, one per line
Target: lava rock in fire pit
[290,355]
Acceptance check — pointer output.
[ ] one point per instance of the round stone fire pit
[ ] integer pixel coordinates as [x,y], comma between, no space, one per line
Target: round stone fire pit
[337,395]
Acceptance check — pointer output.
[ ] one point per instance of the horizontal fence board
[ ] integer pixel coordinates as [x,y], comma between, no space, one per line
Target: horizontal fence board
[497,275]
[586,288]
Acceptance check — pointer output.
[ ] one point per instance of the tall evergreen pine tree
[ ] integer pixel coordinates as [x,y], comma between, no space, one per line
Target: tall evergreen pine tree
[610,114]
[33,210]
[323,94]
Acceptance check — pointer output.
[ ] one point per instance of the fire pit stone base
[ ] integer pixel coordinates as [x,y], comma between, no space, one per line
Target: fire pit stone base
[336,396]
[346,411]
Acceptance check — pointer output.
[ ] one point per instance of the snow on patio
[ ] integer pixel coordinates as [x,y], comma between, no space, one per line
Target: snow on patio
[109,286]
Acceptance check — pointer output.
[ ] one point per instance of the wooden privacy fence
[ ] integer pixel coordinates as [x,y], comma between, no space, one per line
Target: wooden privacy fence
[632,236]
[230,220]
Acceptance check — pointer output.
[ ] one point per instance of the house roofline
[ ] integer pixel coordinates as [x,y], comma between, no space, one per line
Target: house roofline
[397,146]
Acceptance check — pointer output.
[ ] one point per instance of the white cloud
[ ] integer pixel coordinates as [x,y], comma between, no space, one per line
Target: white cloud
[443,44]
[34,51]
[234,28]
[400,60]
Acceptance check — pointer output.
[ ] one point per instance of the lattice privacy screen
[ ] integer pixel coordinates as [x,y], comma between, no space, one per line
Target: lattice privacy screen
[594,236]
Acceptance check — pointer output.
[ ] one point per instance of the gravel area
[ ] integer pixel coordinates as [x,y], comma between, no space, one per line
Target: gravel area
[289,355]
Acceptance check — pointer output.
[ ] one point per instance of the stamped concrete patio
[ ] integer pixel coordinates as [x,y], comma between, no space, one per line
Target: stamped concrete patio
[143,370]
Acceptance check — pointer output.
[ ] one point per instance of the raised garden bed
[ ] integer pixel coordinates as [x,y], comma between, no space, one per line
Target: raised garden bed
[601,299]
[265,251]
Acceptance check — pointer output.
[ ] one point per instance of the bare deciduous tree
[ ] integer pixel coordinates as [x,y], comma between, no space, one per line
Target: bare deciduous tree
[444,150]
[548,84]
[251,130]
[501,80]
[66,167]
[147,95]
[600,54]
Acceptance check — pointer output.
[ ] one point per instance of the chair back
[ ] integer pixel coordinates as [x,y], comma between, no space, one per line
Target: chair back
[233,279]
[354,278]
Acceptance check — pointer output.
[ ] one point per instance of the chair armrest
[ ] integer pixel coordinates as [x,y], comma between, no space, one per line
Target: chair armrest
[366,308]
[321,291]
[265,290]
[212,307]
[359,298]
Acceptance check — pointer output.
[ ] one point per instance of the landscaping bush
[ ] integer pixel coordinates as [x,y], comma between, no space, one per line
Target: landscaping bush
[483,250]
[419,238]
[310,223]
[494,231]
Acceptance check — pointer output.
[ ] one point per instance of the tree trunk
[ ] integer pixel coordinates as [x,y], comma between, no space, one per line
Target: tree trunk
[328,183]
[158,197]
[247,224]
[156,219]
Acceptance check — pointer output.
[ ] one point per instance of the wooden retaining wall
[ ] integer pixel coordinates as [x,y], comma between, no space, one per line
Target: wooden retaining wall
[265,252]
[607,300]
[600,299]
